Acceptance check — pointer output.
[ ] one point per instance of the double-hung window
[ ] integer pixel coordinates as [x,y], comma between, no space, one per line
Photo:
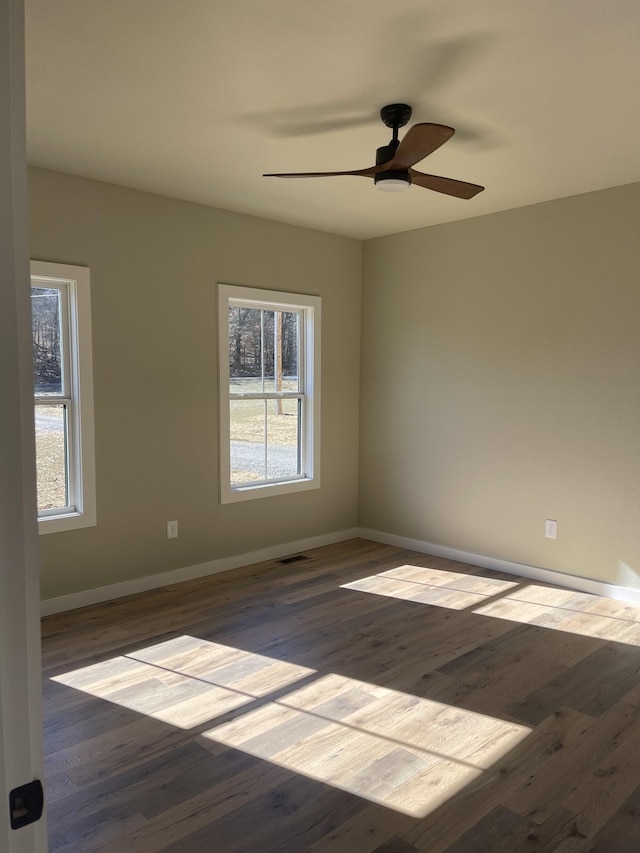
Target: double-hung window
[63,396]
[269,392]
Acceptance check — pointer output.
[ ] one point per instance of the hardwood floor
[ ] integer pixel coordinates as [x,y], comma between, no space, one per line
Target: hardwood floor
[365,699]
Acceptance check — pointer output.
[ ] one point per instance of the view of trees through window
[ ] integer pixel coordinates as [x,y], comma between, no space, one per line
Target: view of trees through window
[47,343]
[263,344]
[264,350]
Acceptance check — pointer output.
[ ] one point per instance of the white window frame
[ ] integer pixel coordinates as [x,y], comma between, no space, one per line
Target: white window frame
[73,282]
[310,310]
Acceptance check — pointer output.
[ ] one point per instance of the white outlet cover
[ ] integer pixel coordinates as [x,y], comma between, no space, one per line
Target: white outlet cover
[551,529]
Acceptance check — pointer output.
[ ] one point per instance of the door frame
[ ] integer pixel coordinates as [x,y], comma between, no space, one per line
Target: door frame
[21,752]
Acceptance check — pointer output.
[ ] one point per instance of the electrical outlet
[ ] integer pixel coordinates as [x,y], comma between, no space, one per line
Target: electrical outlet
[172,529]
[551,529]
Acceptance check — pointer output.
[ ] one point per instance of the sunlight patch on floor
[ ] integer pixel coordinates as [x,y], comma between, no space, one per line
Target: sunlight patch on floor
[432,586]
[572,612]
[401,751]
[392,748]
[185,681]
[530,604]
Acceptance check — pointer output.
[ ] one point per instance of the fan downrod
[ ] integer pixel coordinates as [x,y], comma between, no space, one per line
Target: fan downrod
[396,115]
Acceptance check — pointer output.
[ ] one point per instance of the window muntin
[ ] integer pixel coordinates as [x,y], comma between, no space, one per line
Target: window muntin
[63,396]
[269,370]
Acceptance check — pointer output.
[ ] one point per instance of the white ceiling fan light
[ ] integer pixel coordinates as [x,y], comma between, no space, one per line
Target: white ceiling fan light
[392,181]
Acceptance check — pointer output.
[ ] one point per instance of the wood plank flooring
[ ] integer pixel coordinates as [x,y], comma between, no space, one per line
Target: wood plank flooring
[365,699]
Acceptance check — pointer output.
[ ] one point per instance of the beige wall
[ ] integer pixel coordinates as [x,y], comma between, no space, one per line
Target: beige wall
[501,385]
[154,266]
[500,381]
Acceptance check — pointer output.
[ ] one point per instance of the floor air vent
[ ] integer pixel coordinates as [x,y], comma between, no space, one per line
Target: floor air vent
[295,559]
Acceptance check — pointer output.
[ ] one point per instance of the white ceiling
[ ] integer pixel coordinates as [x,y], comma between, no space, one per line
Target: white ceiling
[195,99]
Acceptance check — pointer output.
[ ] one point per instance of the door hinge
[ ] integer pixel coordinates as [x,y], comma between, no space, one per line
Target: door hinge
[26,804]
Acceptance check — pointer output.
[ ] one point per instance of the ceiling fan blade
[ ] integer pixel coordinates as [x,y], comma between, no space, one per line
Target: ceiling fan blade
[448,186]
[367,173]
[418,142]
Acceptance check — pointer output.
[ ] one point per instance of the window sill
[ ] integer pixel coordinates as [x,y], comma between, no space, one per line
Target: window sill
[68,521]
[249,493]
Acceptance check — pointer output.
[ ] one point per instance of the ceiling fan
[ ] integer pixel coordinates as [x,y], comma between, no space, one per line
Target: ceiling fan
[394,162]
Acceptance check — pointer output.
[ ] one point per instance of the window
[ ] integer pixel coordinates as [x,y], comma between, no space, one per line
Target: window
[63,380]
[269,392]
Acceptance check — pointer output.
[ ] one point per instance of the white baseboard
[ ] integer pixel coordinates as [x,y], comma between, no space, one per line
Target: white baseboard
[63,603]
[119,590]
[620,593]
